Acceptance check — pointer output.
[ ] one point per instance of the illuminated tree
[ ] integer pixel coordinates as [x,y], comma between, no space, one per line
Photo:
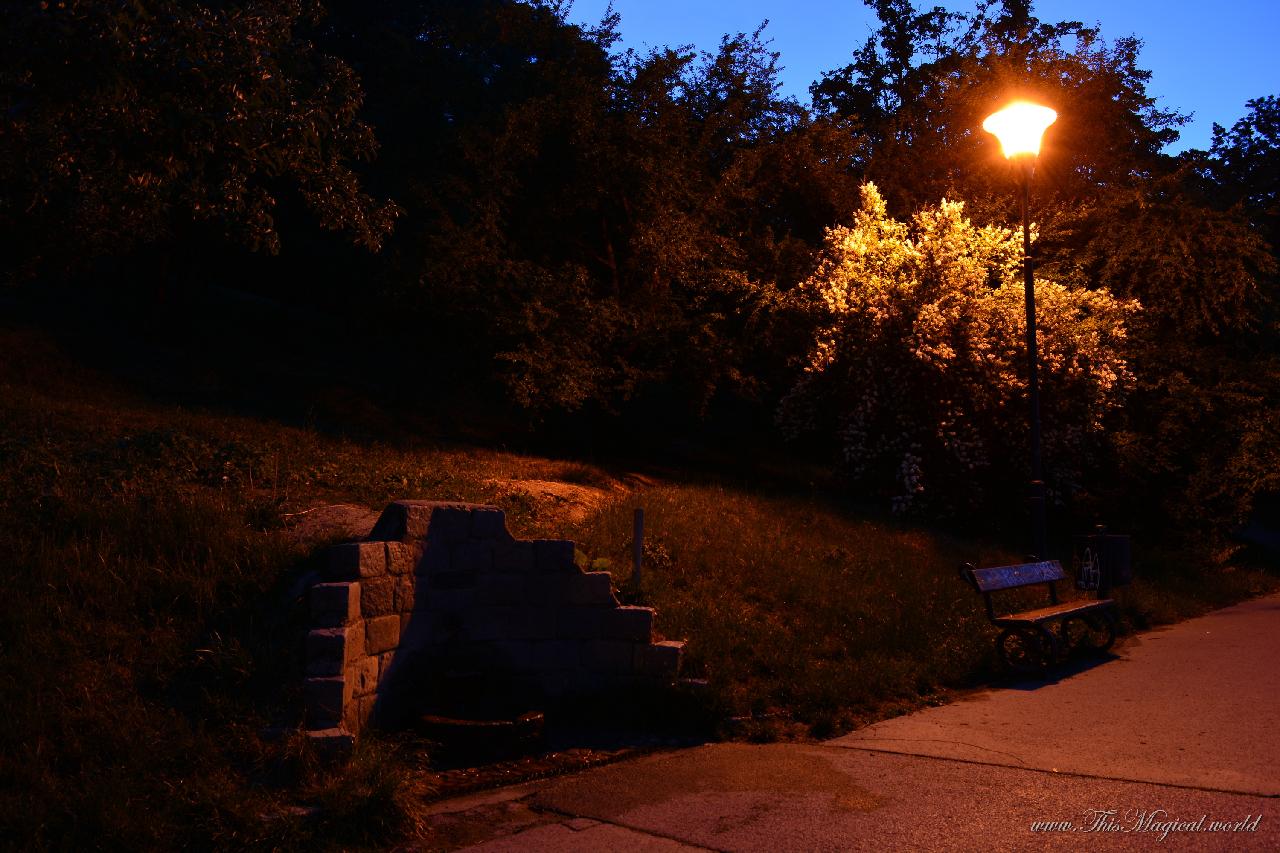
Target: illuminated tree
[917,370]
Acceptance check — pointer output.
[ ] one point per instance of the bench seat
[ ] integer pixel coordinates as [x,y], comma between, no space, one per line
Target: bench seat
[1063,610]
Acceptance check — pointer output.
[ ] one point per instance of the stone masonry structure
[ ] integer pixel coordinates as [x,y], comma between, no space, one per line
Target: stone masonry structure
[443,588]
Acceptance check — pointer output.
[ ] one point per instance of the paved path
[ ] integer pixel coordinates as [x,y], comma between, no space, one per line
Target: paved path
[1197,705]
[1183,723]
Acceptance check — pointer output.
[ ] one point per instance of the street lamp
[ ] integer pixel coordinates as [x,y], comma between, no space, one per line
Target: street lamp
[1020,126]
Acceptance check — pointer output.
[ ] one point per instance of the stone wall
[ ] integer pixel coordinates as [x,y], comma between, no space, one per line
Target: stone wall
[440,591]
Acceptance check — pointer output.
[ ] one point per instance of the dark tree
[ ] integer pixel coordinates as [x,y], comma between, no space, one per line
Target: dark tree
[926,81]
[1245,165]
[128,124]
[592,228]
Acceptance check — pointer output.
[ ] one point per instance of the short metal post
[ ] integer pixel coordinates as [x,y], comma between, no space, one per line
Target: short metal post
[637,547]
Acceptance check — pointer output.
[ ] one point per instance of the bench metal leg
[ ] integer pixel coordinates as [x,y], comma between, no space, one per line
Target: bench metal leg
[1026,650]
[1095,632]
[1102,632]
[1055,643]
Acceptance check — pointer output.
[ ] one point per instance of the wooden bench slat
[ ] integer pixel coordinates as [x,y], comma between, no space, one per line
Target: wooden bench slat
[1056,611]
[1010,577]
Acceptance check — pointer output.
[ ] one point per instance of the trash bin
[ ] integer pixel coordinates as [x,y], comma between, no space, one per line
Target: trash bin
[1101,562]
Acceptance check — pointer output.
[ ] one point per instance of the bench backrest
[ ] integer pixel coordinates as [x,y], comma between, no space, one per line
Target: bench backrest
[987,581]
[1011,577]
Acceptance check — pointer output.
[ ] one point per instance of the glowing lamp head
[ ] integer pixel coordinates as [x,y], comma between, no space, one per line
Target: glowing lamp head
[1019,127]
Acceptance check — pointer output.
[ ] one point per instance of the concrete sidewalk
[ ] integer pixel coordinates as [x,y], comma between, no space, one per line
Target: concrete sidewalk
[1180,727]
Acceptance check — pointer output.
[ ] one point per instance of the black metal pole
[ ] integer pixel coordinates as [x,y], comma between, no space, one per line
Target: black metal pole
[1036,494]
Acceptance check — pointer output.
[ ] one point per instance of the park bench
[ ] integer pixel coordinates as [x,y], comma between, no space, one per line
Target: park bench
[1027,642]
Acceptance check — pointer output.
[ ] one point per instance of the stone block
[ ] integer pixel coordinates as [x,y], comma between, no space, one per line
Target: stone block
[416,630]
[490,623]
[357,560]
[579,623]
[501,589]
[526,623]
[445,630]
[587,680]
[609,656]
[556,683]
[452,580]
[403,521]
[406,593]
[358,713]
[382,634]
[628,623]
[547,590]
[435,559]
[335,604]
[321,667]
[626,683]
[473,557]
[402,557]
[363,675]
[450,524]
[556,654]
[369,710]
[591,588]
[508,655]
[331,745]
[514,557]
[326,701]
[538,623]
[378,597]
[406,521]
[489,524]
[399,671]
[329,650]
[660,660]
[450,600]
[554,555]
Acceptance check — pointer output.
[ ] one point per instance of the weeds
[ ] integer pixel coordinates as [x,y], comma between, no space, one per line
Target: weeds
[152,622]
[152,626]
[799,612]
[794,609]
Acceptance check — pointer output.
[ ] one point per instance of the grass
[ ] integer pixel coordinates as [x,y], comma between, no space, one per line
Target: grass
[796,611]
[809,620]
[151,627]
[791,606]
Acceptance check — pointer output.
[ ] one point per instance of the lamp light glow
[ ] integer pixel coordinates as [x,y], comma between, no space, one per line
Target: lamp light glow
[1020,127]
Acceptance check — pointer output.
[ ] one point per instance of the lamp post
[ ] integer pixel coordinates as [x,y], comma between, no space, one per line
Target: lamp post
[1020,126]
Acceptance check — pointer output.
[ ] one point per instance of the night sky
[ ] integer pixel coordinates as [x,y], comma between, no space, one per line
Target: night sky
[1204,64]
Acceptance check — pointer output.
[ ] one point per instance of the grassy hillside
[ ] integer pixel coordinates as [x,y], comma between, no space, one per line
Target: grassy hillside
[153,616]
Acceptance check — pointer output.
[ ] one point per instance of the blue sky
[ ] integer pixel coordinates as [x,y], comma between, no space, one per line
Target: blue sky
[1201,63]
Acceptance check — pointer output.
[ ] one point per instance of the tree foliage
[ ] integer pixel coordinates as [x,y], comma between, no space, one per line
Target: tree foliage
[126,122]
[926,80]
[1245,163]
[588,231]
[1189,238]
[918,371]
[599,227]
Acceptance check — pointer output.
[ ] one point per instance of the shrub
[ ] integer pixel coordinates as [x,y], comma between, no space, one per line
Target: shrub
[917,366]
